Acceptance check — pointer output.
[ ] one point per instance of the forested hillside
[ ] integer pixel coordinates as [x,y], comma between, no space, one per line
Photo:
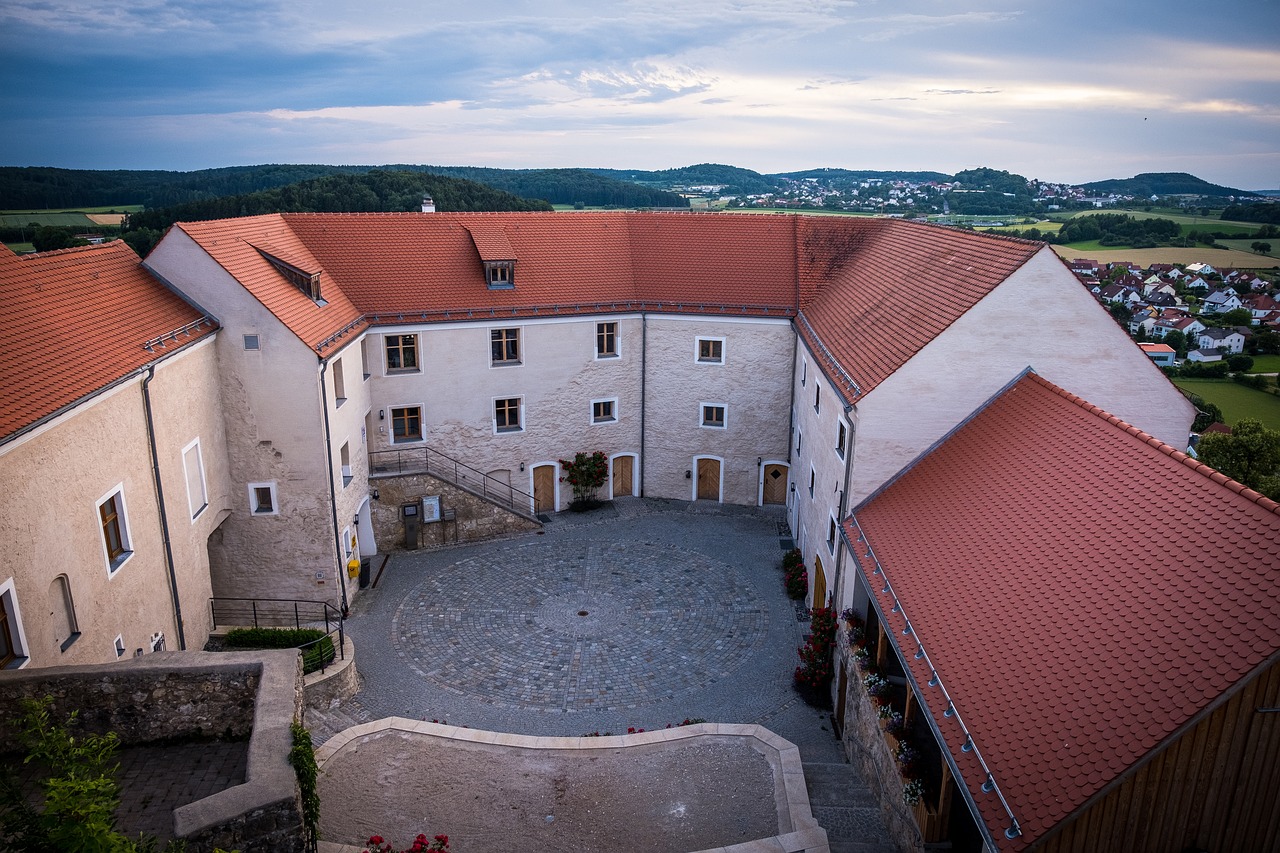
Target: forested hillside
[1162,183]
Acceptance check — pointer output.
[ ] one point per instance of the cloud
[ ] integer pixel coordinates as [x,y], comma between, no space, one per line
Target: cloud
[886,27]
[961,91]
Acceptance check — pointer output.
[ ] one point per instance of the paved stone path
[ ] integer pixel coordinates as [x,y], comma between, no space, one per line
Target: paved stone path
[640,614]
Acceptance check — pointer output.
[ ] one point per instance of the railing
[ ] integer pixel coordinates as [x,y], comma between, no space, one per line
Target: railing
[283,613]
[423,460]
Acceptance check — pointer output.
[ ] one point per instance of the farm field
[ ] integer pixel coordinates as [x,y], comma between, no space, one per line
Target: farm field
[1236,401]
[87,217]
[1170,255]
[1266,364]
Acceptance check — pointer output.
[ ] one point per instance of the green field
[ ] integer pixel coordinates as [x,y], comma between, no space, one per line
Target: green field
[1266,364]
[22,220]
[1236,401]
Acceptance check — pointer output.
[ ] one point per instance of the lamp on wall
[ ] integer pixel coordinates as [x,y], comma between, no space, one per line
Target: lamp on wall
[375,494]
[522,466]
[688,475]
[382,414]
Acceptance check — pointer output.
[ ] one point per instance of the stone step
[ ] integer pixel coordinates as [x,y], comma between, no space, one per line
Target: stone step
[844,806]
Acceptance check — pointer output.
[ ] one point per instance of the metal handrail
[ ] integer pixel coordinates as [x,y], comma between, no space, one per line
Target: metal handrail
[281,613]
[424,460]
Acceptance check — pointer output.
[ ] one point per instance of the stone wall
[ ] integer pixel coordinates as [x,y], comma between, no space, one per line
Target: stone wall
[865,745]
[180,696]
[478,519]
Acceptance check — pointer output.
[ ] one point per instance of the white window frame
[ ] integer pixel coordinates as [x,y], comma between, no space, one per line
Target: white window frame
[702,415]
[804,370]
[613,416]
[817,398]
[799,441]
[518,361]
[697,349]
[339,383]
[115,564]
[195,509]
[17,635]
[364,357]
[422,425]
[842,441]
[813,479]
[833,535]
[617,341]
[118,646]
[253,499]
[344,461]
[388,370]
[520,416]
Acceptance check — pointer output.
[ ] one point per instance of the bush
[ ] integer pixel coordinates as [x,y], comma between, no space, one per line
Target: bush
[319,651]
[1239,363]
[586,474]
[813,675]
[1256,381]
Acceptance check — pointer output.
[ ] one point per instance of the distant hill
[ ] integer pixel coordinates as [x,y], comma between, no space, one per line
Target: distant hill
[732,178]
[1162,183]
[41,187]
[835,176]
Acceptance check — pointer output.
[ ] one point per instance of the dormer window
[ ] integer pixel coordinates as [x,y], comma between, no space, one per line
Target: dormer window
[307,282]
[500,275]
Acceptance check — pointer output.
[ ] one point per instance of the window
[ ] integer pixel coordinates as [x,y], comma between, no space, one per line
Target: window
[606,340]
[364,357]
[710,350]
[813,476]
[402,353]
[713,415]
[13,643]
[842,435]
[799,441]
[504,345]
[406,424]
[499,275]
[339,384]
[604,411]
[345,457]
[506,415]
[193,465]
[817,398]
[115,529]
[831,535]
[65,629]
[252,342]
[804,371]
[262,499]
[119,645]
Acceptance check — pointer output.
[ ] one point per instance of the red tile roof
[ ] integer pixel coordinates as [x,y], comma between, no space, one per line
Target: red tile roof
[1072,643]
[856,279]
[76,321]
[867,308]
[238,246]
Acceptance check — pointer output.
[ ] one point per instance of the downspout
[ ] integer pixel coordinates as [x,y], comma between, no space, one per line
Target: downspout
[164,516]
[644,372]
[333,491]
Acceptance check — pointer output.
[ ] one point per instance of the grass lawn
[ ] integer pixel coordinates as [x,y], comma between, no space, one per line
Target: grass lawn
[1266,364]
[21,248]
[1236,401]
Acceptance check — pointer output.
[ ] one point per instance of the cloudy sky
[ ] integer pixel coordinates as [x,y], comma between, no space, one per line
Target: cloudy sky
[1062,90]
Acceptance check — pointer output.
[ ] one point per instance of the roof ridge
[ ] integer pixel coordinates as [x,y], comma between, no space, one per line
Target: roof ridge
[52,253]
[1186,459]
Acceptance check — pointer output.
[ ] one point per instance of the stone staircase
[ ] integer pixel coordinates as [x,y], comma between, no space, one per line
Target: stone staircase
[845,807]
[325,723]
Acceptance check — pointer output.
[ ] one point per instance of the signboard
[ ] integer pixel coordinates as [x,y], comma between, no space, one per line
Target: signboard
[430,509]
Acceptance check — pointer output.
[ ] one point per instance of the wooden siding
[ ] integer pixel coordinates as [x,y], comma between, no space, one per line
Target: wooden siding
[1214,788]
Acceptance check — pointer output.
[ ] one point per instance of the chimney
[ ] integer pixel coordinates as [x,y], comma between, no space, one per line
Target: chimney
[428,206]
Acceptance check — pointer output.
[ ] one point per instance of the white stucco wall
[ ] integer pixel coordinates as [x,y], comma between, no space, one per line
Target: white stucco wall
[1039,317]
[271,401]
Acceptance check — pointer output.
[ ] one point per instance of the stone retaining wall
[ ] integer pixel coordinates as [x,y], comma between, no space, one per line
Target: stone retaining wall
[478,519]
[181,696]
[864,744]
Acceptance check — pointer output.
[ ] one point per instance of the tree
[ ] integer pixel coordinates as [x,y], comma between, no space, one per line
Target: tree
[1237,317]
[50,237]
[1239,363]
[1249,455]
[1177,340]
[1260,247]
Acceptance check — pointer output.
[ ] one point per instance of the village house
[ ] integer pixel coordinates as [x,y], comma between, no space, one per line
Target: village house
[1161,354]
[1224,340]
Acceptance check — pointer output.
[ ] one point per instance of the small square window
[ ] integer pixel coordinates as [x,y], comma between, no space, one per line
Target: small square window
[711,350]
[506,415]
[402,353]
[499,275]
[406,424]
[251,342]
[262,499]
[713,415]
[842,436]
[606,340]
[504,346]
[604,411]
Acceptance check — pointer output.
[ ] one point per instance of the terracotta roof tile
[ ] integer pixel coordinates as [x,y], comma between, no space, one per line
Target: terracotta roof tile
[75,322]
[238,246]
[867,277]
[1072,642]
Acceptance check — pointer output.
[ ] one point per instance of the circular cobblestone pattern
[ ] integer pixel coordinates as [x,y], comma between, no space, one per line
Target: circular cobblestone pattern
[580,625]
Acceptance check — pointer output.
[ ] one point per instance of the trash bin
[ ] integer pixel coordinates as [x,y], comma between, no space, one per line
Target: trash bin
[364,572]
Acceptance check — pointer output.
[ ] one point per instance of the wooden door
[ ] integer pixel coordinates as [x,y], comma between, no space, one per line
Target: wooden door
[819,583]
[775,485]
[544,488]
[709,479]
[622,476]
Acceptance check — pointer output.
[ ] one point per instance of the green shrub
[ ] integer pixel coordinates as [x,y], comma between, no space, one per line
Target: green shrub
[320,653]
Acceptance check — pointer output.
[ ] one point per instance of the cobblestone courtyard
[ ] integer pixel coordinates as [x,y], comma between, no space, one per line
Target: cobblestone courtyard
[640,614]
